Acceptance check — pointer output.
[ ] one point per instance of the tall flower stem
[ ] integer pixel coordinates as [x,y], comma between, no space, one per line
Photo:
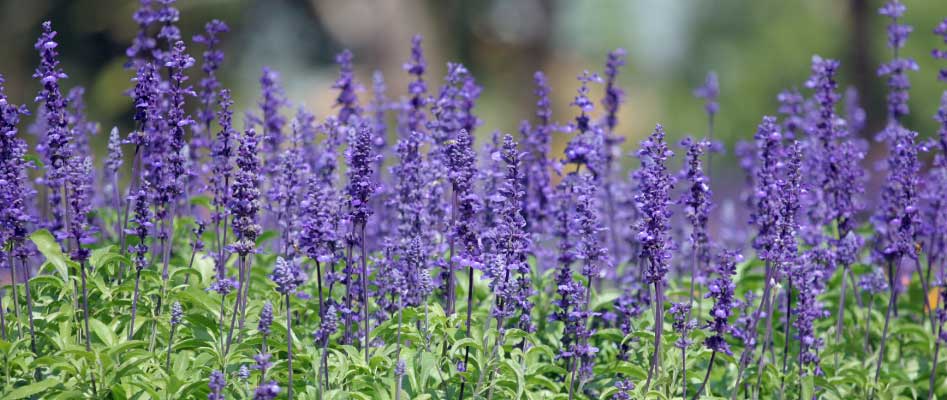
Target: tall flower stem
[167,362]
[220,322]
[450,257]
[85,315]
[132,187]
[131,325]
[346,336]
[938,339]
[926,288]
[588,306]
[658,329]
[684,373]
[871,301]
[748,352]
[29,306]
[236,303]
[3,322]
[470,281]
[13,293]
[116,205]
[324,367]
[247,267]
[319,289]
[841,314]
[710,367]
[768,338]
[786,331]
[289,348]
[364,261]
[884,332]
[398,378]
[690,299]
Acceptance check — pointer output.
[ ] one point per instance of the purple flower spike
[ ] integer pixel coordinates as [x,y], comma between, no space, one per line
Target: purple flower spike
[328,326]
[721,290]
[177,314]
[583,102]
[78,187]
[213,57]
[274,99]
[697,199]
[680,324]
[16,192]
[177,119]
[536,144]
[361,185]
[224,286]
[143,44]
[216,383]
[245,198]
[810,280]
[347,101]
[417,89]
[614,96]
[266,391]
[710,91]
[654,201]
[56,142]
[791,106]
[462,163]
[287,276]
[896,69]
[941,54]
[766,196]
[266,320]
[897,217]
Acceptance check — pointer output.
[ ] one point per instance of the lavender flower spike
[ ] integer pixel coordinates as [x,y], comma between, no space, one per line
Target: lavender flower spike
[209,85]
[347,101]
[288,276]
[360,188]
[57,148]
[897,219]
[177,316]
[216,383]
[653,230]
[721,290]
[896,69]
[16,194]
[266,391]
[697,205]
[245,208]
[709,91]
[417,89]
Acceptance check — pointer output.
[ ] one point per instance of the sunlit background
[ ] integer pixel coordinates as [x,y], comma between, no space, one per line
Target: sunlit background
[756,47]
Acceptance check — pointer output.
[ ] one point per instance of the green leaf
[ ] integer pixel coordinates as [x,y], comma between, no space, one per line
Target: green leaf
[105,256]
[466,342]
[23,392]
[105,334]
[46,244]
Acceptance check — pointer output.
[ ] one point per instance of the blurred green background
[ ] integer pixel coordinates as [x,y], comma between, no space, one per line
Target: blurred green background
[756,47]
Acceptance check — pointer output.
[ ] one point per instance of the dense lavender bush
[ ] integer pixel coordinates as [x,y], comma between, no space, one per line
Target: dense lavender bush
[575,279]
